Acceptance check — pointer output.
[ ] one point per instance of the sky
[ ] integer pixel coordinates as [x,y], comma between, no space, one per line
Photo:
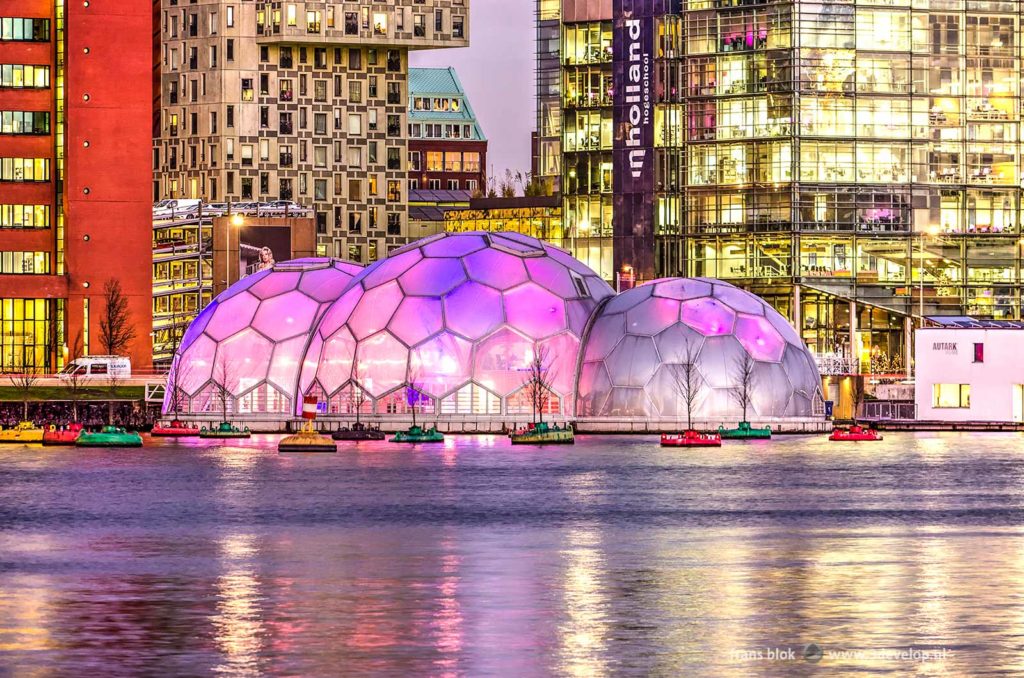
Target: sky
[497,72]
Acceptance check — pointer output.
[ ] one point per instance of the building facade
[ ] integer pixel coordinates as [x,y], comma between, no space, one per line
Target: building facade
[302,101]
[547,137]
[74,197]
[968,370]
[447,146]
[857,165]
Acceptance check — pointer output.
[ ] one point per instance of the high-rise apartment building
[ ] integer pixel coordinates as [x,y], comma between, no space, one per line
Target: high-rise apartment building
[303,101]
[856,163]
[74,189]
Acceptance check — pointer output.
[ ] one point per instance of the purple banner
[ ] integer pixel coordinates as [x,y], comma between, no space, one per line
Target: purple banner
[633,52]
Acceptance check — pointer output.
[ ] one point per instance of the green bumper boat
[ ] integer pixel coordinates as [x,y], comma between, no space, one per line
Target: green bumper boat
[225,430]
[746,432]
[417,434]
[109,436]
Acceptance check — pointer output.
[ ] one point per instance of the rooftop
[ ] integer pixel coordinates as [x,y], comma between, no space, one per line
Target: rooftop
[441,83]
[962,322]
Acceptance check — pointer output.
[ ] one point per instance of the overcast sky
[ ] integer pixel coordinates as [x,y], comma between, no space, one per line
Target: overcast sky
[497,72]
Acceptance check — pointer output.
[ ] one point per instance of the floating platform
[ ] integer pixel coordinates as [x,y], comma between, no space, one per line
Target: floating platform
[417,434]
[225,430]
[307,441]
[691,439]
[855,434]
[359,432]
[109,436]
[543,434]
[24,432]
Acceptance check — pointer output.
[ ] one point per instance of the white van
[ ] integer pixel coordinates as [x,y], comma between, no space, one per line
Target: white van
[97,367]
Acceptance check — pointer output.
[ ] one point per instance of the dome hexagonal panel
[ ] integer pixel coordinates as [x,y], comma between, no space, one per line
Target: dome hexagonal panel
[416,319]
[652,315]
[233,316]
[708,315]
[760,338]
[433,277]
[473,310]
[441,364]
[288,315]
[382,363]
[534,311]
[495,268]
[374,310]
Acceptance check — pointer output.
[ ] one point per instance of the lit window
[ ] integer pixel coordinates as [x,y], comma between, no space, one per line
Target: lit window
[951,396]
[292,20]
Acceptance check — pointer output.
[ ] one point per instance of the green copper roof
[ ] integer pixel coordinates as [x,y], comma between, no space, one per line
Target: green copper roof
[435,83]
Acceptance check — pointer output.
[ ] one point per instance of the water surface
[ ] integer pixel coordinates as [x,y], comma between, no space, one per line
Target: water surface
[613,557]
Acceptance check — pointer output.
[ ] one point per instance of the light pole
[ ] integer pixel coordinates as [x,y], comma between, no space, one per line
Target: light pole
[237,220]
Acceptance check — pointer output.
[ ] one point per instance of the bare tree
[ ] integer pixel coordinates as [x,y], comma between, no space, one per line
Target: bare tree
[743,388]
[686,379]
[856,395]
[412,394]
[539,377]
[358,394]
[507,186]
[116,329]
[224,373]
[24,379]
[74,375]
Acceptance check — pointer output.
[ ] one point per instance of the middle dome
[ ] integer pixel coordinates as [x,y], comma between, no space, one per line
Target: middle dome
[460,316]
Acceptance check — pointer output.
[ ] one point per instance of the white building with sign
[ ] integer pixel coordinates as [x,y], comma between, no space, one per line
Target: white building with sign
[970,370]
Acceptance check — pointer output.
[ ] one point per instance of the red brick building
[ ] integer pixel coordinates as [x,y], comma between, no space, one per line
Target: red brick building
[75,115]
[447,147]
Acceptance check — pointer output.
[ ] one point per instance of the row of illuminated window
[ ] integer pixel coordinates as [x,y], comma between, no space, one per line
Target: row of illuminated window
[841,72]
[352,22]
[24,262]
[429,130]
[353,156]
[863,27]
[436,104]
[945,211]
[288,121]
[24,122]
[24,169]
[27,76]
[868,260]
[838,162]
[444,161]
[471,185]
[24,216]
[24,30]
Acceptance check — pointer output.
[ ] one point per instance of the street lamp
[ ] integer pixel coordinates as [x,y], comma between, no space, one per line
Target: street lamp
[237,220]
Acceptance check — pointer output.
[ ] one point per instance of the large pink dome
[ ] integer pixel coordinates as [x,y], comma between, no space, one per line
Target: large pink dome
[251,338]
[460,316]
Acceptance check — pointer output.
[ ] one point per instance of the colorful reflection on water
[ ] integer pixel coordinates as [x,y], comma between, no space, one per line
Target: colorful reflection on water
[473,558]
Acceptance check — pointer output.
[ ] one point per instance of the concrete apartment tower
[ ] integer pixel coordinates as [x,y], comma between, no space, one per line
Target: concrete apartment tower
[303,101]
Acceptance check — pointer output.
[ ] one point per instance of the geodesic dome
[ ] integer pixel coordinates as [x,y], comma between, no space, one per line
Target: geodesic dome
[248,343]
[459,316]
[634,350]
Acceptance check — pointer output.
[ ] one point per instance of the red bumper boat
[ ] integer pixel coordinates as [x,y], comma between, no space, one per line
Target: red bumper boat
[61,435]
[175,428]
[855,433]
[691,439]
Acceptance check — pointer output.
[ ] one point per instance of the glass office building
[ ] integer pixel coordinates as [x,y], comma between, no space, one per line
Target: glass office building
[855,163]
